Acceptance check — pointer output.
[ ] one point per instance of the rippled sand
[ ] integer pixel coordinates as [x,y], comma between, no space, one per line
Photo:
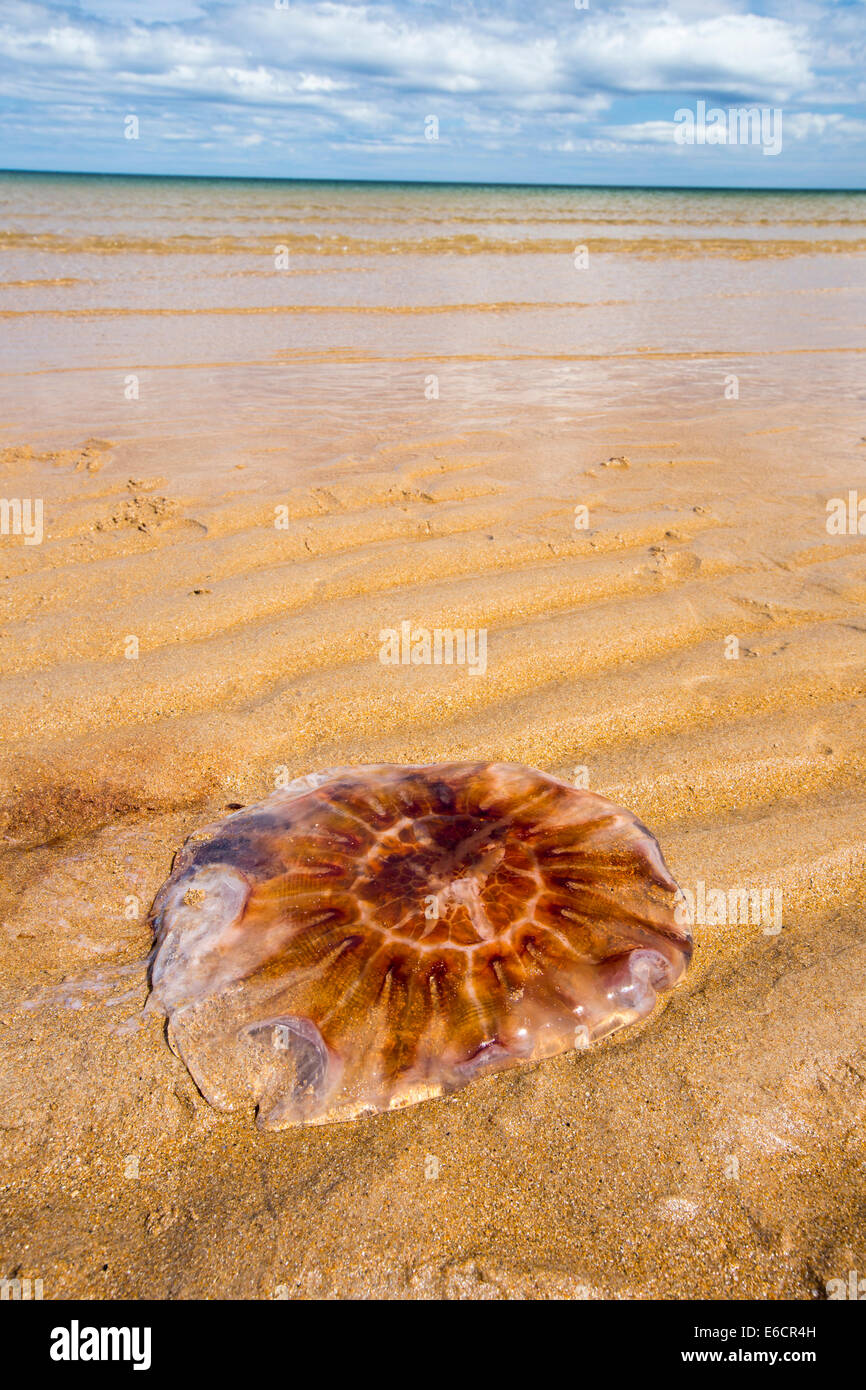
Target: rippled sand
[719,1150]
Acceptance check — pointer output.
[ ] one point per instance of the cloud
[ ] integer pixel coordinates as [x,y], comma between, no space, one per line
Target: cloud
[825,126]
[507,82]
[642,133]
[729,55]
[377,45]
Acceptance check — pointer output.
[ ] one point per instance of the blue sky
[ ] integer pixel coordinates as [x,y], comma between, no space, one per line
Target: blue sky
[527,92]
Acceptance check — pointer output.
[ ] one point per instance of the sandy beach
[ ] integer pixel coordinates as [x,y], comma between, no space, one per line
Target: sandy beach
[621,473]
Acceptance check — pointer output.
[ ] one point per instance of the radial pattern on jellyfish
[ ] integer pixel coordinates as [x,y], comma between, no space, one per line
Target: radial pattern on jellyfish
[370,937]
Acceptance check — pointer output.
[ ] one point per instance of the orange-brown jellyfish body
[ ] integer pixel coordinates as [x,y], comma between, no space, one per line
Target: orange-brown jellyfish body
[374,936]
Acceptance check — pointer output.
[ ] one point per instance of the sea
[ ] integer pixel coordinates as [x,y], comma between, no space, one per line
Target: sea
[222,316]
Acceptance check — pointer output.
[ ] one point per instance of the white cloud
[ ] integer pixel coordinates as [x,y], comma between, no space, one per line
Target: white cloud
[366,45]
[642,133]
[824,126]
[730,54]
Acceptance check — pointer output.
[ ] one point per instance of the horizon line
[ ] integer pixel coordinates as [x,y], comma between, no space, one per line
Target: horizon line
[432,183]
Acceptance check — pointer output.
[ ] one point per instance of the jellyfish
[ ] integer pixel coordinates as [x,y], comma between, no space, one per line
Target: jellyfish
[371,937]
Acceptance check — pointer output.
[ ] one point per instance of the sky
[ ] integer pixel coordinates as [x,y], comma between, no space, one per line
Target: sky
[523,91]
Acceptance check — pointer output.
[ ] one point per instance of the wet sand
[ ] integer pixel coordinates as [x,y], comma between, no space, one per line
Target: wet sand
[718,1150]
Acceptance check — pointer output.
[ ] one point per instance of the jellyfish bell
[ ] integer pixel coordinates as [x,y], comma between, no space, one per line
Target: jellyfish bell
[369,937]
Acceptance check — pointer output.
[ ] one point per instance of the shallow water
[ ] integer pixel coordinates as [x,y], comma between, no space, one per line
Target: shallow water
[382,288]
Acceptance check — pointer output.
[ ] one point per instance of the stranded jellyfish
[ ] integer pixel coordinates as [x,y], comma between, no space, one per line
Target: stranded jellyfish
[370,937]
